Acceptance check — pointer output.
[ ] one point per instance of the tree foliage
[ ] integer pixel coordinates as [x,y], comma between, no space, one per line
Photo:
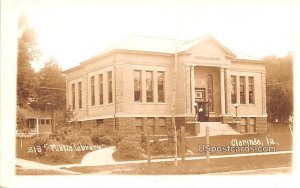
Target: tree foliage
[279,87]
[27,52]
[51,90]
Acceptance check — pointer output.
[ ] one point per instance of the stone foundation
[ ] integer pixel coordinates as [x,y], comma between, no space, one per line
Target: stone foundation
[226,119]
[261,125]
[132,125]
[163,125]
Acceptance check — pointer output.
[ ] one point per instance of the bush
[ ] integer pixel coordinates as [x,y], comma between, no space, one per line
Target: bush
[76,139]
[58,156]
[39,143]
[104,136]
[164,147]
[72,137]
[129,148]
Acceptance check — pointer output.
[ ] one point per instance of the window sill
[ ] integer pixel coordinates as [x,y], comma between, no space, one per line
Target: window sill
[150,103]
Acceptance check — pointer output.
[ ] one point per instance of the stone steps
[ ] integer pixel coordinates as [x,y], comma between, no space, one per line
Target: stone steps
[215,129]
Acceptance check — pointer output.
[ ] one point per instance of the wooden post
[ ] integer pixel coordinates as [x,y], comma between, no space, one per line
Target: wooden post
[291,131]
[182,139]
[148,146]
[207,143]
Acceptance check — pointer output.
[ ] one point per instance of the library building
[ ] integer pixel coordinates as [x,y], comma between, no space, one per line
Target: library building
[129,88]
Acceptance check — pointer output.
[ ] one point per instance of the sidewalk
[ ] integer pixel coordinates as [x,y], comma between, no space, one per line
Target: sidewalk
[25,164]
[104,157]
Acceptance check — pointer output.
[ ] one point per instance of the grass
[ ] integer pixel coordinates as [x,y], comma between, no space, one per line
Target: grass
[22,152]
[20,171]
[193,166]
[279,134]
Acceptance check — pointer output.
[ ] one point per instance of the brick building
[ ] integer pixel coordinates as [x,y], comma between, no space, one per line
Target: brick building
[129,86]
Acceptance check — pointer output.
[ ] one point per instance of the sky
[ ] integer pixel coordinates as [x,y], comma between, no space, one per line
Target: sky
[73,31]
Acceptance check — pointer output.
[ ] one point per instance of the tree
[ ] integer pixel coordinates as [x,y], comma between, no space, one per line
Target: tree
[279,87]
[27,52]
[52,82]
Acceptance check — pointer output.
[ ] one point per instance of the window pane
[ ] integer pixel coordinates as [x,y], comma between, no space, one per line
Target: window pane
[251,90]
[100,88]
[79,95]
[233,89]
[242,90]
[149,86]
[137,85]
[160,86]
[109,78]
[92,90]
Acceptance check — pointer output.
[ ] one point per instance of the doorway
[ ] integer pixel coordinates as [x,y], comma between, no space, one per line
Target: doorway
[202,111]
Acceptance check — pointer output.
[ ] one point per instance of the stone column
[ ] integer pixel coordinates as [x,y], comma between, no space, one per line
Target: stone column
[263,85]
[222,91]
[192,89]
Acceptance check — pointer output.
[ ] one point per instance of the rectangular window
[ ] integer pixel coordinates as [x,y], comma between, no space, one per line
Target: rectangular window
[251,90]
[138,125]
[150,125]
[138,85]
[243,124]
[242,90]
[161,86]
[92,90]
[109,80]
[100,88]
[149,86]
[233,89]
[73,96]
[79,95]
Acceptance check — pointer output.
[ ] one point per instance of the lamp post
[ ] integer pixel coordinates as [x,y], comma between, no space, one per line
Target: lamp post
[236,106]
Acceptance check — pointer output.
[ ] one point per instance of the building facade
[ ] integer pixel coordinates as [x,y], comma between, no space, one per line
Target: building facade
[129,87]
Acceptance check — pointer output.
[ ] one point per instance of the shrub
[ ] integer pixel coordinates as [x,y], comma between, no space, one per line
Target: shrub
[76,139]
[39,143]
[129,148]
[104,136]
[164,147]
[58,156]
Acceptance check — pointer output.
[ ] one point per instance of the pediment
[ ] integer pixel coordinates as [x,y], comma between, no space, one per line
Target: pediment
[208,51]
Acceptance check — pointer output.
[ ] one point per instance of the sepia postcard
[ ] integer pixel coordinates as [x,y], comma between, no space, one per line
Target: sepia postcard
[136,88]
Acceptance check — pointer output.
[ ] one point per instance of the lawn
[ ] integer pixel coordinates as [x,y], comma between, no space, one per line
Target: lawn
[280,134]
[21,171]
[193,166]
[22,152]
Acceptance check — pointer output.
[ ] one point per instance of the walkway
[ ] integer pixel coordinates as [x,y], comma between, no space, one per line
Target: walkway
[25,164]
[99,157]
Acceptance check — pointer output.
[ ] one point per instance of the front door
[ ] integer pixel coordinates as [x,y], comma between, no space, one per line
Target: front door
[202,111]
[202,105]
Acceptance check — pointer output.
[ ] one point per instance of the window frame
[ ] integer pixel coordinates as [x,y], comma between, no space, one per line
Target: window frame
[100,81]
[233,89]
[134,86]
[80,95]
[163,86]
[93,98]
[253,90]
[109,87]
[242,93]
[152,87]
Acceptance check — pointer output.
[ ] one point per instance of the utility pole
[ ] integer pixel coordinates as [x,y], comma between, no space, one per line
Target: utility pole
[173,107]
